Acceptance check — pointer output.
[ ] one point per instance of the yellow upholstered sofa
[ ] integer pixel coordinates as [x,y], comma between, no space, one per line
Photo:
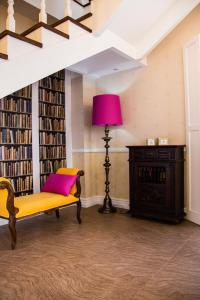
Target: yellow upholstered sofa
[12,208]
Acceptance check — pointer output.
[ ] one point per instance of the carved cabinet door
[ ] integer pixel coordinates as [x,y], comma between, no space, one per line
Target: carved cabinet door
[154,182]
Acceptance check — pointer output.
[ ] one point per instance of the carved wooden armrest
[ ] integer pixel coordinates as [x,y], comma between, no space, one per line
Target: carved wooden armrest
[10,200]
[78,184]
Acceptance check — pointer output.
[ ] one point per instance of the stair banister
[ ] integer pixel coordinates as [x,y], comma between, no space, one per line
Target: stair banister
[10,21]
[68,8]
[43,14]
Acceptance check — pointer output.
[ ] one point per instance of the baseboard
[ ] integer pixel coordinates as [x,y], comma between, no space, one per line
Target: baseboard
[193,216]
[117,202]
[3,222]
[120,203]
[91,201]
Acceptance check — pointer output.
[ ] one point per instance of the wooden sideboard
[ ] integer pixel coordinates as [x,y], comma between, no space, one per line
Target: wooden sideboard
[157,182]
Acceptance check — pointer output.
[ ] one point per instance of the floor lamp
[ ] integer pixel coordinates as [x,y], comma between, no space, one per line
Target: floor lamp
[107,112]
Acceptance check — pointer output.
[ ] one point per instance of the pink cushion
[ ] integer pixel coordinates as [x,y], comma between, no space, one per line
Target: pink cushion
[59,184]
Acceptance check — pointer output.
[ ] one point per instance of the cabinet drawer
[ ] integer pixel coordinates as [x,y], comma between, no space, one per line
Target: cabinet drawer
[143,154]
[165,154]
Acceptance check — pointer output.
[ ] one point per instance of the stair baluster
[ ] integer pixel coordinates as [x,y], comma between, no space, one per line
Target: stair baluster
[68,8]
[43,14]
[10,21]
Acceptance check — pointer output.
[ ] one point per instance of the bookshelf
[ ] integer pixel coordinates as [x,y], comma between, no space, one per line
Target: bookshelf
[52,138]
[16,140]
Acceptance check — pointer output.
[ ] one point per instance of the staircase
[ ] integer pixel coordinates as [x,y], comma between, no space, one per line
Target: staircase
[70,42]
[45,49]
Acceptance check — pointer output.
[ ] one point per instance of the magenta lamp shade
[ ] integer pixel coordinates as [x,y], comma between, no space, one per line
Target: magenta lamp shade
[106,110]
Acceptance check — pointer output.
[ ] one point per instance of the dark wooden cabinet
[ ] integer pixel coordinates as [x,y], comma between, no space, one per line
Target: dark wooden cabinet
[157,182]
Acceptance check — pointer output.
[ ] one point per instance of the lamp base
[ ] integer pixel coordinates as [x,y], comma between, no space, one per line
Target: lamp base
[107,207]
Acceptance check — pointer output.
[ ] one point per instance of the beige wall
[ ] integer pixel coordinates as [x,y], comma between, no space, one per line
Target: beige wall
[103,10]
[153,97]
[152,101]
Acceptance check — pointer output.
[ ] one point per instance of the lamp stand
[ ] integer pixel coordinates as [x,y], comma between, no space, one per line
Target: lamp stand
[107,207]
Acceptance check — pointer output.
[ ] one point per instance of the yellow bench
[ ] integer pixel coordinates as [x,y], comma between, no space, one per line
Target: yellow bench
[13,209]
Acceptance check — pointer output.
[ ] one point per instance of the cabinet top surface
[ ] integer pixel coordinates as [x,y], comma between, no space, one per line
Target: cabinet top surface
[157,146]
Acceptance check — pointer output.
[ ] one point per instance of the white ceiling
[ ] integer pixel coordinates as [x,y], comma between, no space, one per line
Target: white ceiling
[144,23]
[105,63]
[140,16]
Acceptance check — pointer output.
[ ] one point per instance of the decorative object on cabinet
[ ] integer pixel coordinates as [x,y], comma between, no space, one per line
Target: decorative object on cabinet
[107,112]
[151,141]
[156,176]
[162,141]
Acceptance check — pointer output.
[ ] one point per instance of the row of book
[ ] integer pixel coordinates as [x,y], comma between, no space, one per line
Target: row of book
[52,110]
[24,194]
[25,92]
[51,97]
[50,138]
[59,74]
[21,184]
[49,166]
[52,124]
[19,168]
[15,105]
[12,120]
[9,136]
[52,152]
[53,83]
[15,152]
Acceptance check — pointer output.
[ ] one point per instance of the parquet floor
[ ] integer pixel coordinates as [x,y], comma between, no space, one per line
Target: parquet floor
[108,257]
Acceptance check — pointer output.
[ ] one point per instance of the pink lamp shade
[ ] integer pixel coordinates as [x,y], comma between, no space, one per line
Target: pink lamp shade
[106,110]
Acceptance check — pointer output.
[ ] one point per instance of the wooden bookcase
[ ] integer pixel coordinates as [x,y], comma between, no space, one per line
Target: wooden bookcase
[52,124]
[16,140]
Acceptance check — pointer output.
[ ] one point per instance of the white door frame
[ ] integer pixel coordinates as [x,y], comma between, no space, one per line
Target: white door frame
[192,112]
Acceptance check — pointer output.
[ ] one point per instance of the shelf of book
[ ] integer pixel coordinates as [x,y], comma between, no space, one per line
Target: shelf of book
[16,140]
[52,124]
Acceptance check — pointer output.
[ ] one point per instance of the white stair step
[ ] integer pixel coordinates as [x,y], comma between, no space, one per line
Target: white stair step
[70,26]
[45,34]
[13,44]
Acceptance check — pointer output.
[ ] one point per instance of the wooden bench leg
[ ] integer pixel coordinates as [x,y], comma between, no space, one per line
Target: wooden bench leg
[57,213]
[12,228]
[79,211]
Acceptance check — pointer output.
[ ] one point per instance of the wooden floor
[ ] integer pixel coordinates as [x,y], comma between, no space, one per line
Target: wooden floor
[112,257]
